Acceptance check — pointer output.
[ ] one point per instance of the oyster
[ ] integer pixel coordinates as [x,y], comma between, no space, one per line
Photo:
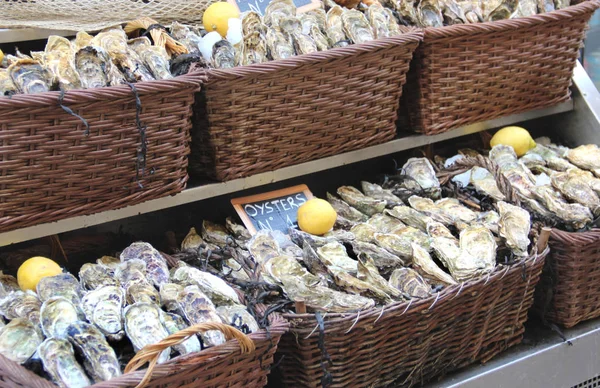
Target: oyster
[169,293]
[303,43]
[215,233]
[415,235]
[96,69]
[356,26]
[342,223]
[278,9]
[19,339]
[485,183]
[560,4]
[279,266]
[410,283]
[452,13]
[315,266]
[526,8]
[109,261]
[456,210]
[335,29]
[379,21]
[321,40]
[238,317]
[156,60]
[59,362]
[299,237]
[551,158]
[324,299]
[186,37]
[7,86]
[378,192]
[58,60]
[422,172]
[505,10]
[143,292]
[254,44]
[353,285]
[104,307]
[479,243]
[217,289]
[429,13]
[382,259]
[490,220]
[335,255]
[576,188]
[573,214]
[8,284]
[314,18]
[358,200]
[278,46]
[232,268]
[437,229]
[21,304]
[57,314]
[239,232]
[156,265]
[472,10]
[174,323]
[385,224]
[514,227]
[424,264]
[342,236]
[410,217]
[367,272]
[65,285]
[363,232]
[143,325]
[93,276]
[393,25]
[263,246]
[197,308]
[223,55]
[114,42]
[586,157]
[131,272]
[545,6]
[394,244]
[100,359]
[29,76]
[192,241]
[82,39]
[345,210]
[429,208]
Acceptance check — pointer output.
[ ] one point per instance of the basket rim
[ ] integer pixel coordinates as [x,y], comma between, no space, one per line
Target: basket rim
[458,30]
[424,304]
[411,35]
[193,81]
[584,237]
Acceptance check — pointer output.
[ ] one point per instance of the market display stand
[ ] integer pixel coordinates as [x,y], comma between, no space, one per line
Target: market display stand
[550,362]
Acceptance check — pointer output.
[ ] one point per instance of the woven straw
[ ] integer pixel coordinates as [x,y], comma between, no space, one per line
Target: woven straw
[50,169]
[271,115]
[405,344]
[94,15]
[464,74]
[232,364]
[569,291]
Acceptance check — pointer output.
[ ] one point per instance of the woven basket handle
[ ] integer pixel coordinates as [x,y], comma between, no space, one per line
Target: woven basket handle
[150,353]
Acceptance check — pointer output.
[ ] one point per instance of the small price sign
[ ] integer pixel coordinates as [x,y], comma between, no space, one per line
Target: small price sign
[275,210]
[260,6]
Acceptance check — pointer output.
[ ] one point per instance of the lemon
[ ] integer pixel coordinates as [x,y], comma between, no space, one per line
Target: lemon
[1,56]
[316,216]
[217,15]
[516,137]
[34,269]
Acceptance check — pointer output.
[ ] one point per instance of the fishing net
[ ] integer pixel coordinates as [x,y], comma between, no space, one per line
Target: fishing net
[94,15]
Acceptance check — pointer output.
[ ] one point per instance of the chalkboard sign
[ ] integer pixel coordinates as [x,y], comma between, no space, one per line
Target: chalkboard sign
[261,5]
[275,210]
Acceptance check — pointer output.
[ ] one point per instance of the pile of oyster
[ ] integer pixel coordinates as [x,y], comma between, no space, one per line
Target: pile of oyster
[383,248]
[135,298]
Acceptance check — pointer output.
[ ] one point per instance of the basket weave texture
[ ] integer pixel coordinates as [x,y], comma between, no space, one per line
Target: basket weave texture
[406,344]
[50,169]
[465,74]
[569,291]
[271,115]
[220,366]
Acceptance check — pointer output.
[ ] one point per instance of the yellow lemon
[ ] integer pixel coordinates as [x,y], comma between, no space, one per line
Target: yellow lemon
[1,56]
[516,137]
[316,216]
[217,15]
[34,269]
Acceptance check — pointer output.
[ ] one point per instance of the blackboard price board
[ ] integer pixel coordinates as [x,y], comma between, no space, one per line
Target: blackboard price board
[261,5]
[275,210]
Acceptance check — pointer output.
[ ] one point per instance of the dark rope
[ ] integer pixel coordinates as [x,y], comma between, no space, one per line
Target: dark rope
[61,98]
[143,149]
[327,378]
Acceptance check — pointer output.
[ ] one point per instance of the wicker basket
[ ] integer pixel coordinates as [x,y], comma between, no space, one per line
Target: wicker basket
[243,361]
[464,74]
[404,344]
[271,115]
[50,169]
[569,291]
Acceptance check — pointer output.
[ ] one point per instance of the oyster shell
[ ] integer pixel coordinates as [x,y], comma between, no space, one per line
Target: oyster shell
[356,26]
[315,266]
[8,284]
[254,44]
[334,255]
[142,293]
[353,285]
[184,35]
[394,244]
[383,260]
[426,267]
[29,76]
[321,40]
[429,208]
[437,229]
[82,39]
[299,237]
[485,183]
[358,200]
[174,323]
[422,172]
[93,276]
[57,314]
[169,293]
[364,232]
[378,192]
[385,224]
[104,308]
[238,317]
[410,217]
[303,43]
[576,187]
[505,10]
[393,25]
[279,266]
[156,60]
[223,55]
[19,340]
[415,235]
[526,8]
[21,304]
[379,21]
[345,210]
[263,246]
[452,13]
[143,325]
[490,220]
[410,283]
[217,289]
[7,86]
[197,308]
[278,46]
[479,243]
[335,29]
[192,241]
[544,6]
[58,60]
[64,284]
[109,261]
[367,272]
[131,272]
[429,13]
[239,232]
[514,226]
[573,214]
[551,158]
[100,360]
[456,210]
[278,9]
[314,18]
[215,233]
[586,157]
[59,362]
[157,271]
